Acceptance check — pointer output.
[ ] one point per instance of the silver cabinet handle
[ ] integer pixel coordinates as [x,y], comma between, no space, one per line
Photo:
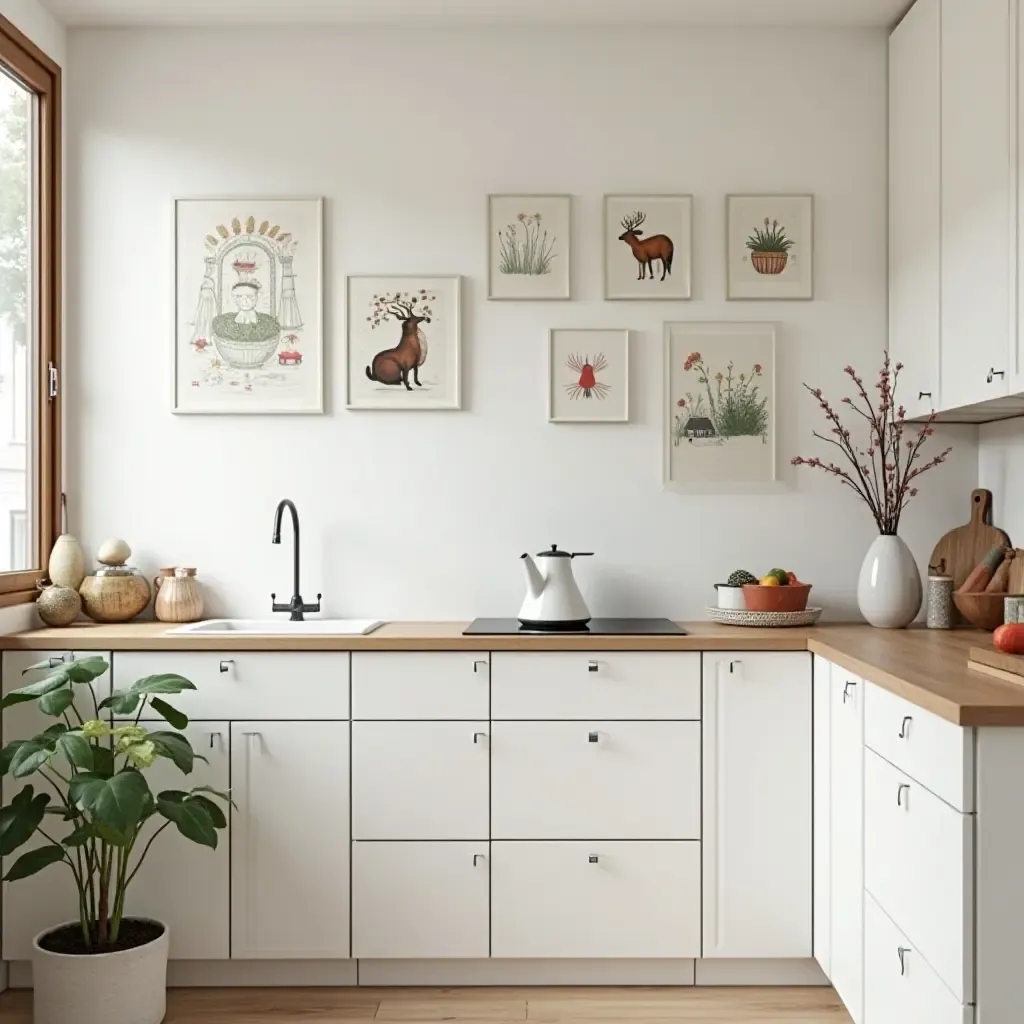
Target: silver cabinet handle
[899,793]
[901,952]
[593,859]
[846,690]
[593,737]
[478,736]
[477,857]
[478,663]
[593,666]
[903,734]
[225,666]
[219,736]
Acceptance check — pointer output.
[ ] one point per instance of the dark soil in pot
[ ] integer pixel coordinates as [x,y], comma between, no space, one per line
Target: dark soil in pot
[68,938]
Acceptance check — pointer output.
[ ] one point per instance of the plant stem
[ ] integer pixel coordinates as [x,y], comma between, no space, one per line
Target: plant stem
[142,856]
[102,920]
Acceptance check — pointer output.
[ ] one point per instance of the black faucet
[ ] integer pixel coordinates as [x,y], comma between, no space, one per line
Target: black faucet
[295,605]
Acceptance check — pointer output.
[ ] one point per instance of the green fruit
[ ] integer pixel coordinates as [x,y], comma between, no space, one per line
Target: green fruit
[781,575]
[741,577]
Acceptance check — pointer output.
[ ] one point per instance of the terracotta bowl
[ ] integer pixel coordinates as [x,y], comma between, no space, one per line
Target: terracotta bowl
[982,610]
[792,598]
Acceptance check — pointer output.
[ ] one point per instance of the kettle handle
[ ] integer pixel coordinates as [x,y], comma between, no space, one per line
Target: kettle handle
[580,554]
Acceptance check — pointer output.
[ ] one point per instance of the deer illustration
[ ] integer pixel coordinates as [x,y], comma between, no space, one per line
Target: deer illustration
[647,250]
[393,365]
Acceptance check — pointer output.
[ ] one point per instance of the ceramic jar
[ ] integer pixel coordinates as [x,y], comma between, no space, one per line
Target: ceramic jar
[116,593]
[178,597]
[57,605]
[889,589]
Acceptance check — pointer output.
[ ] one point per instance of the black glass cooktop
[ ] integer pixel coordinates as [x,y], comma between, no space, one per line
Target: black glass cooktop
[596,627]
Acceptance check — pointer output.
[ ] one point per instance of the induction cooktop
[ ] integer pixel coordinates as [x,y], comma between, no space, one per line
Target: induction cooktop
[596,627]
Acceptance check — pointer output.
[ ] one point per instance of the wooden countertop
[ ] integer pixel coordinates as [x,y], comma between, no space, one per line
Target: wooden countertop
[926,667]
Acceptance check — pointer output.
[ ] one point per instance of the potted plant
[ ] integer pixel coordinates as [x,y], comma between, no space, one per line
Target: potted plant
[97,817]
[769,248]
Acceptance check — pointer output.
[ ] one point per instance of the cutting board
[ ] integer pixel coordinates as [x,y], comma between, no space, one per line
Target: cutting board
[1008,667]
[960,550]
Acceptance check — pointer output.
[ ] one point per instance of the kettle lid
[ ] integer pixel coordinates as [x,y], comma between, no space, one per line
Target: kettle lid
[555,552]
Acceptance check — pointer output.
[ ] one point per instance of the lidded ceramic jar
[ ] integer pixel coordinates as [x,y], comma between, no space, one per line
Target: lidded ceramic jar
[178,597]
[115,593]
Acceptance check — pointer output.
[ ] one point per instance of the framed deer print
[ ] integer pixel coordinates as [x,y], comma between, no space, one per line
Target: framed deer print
[588,376]
[770,247]
[529,246]
[648,248]
[248,324]
[404,343]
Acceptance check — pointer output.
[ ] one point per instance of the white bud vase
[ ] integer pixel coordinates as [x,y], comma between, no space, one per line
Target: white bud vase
[889,588]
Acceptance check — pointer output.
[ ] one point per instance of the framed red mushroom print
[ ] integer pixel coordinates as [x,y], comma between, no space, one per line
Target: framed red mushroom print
[588,376]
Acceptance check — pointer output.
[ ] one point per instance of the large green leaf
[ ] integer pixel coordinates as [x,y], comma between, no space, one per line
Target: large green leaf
[30,757]
[77,749]
[174,746]
[45,663]
[20,819]
[217,815]
[224,794]
[7,755]
[33,691]
[102,761]
[189,816]
[172,715]
[86,670]
[121,702]
[33,861]
[169,682]
[114,804]
[56,702]
[80,836]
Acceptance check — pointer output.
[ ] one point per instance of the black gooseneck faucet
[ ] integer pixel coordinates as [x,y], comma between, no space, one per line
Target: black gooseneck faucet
[295,605]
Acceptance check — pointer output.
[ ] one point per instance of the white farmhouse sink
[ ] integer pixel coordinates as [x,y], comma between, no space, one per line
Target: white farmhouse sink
[279,627]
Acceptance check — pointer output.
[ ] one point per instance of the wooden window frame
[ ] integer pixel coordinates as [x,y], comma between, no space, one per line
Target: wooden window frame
[42,76]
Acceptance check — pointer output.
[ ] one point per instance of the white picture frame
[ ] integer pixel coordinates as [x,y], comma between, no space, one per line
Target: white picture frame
[588,375]
[264,255]
[529,247]
[427,373]
[648,247]
[752,273]
[719,433]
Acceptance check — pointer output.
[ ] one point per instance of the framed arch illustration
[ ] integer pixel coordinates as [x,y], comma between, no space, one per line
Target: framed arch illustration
[248,306]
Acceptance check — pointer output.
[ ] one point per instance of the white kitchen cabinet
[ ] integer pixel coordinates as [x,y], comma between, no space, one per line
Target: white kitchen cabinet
[49,898]
[420,900]
[396,685]
[822,895]
[290,840]
[420,780]
[757,804]
[914,205]
[180,882]
[978,219]
[847,840]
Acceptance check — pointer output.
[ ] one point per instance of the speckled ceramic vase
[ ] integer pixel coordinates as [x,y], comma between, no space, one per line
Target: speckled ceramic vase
[889,590]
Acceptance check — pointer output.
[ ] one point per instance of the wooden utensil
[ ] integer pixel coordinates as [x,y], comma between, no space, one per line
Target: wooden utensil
[960,550]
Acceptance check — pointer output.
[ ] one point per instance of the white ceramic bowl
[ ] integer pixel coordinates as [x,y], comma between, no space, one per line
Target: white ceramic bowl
[730,598]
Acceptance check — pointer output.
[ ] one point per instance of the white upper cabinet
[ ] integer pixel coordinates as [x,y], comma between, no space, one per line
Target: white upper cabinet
[914,205]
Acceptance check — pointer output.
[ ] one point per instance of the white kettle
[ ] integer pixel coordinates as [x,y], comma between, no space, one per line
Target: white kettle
[553,601]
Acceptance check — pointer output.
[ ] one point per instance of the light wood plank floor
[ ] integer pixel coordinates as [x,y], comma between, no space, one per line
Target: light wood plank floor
[486,1006]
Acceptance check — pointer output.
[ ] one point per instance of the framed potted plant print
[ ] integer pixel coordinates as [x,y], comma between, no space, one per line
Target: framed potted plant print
[770,247]
[588,376]
[529,247]
[404,343]
[248,306]
[648,249]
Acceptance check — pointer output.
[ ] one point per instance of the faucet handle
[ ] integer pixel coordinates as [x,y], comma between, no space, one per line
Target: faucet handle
[313,607]
[275,607]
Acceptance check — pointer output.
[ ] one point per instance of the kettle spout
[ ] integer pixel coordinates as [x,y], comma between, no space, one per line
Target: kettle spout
[534,579]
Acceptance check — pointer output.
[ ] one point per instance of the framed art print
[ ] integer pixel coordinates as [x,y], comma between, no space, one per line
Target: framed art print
[770,247]
[529,247]
[404,343]
[648,249]
[248,325]
[588,376]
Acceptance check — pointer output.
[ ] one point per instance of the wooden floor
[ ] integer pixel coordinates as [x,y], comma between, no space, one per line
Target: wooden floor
[486,1006]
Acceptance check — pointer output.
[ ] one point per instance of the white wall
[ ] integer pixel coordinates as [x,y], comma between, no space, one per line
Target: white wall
[32,18]
[1001,470]
[423,514]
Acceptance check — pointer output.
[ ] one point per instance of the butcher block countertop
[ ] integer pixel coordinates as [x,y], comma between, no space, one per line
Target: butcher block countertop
[926,667]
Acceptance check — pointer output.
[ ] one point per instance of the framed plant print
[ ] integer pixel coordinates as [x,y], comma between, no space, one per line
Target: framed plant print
[719,429]
[648,247]
[770,247]
[529,247]
[404,342]
[588,376]
[248,306]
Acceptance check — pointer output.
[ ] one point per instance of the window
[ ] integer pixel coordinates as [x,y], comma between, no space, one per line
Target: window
[30,275]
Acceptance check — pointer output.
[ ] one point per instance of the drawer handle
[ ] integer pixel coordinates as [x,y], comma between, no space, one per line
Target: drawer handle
[923,394]
[478,736]
[478,663]
[733,666]
[477,857]
[593,859]
[899,793]
[225,666]
[593,737]
[54,662]
[904,734]
[218,736]
[846,690]
[993,373]
[901,952]
[593,666]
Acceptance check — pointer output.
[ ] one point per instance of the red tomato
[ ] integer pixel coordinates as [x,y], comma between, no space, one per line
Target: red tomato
[791,576]
[1009,638]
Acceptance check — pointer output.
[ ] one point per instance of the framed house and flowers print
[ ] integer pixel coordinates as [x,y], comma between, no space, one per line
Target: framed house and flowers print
[770,247]
[719,430]
[647,247]
[528,248]
[588,376]
[248,334]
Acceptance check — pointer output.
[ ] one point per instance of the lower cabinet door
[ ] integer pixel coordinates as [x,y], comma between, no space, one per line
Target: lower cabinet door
[899,986]
[420,900]
[595,899]
[290,840]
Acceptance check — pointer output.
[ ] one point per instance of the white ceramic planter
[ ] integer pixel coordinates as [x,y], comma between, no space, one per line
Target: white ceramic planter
[889,589]
[128,987]
[731,598]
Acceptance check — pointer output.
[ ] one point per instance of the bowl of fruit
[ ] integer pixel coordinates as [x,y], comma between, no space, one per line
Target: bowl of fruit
[777,591]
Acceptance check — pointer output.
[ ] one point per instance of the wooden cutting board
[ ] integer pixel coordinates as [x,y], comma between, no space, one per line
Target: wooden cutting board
[960,550]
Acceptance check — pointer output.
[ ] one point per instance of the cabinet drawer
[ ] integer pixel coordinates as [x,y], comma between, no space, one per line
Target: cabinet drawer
[899,986]
[420,780]
[420,900]
[247,684]
[918,865]
[434,685]
[936,753]
[595,899]
[592,780]
[606,684]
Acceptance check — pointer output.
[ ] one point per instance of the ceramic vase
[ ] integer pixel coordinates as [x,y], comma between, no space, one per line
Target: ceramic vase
[889,589]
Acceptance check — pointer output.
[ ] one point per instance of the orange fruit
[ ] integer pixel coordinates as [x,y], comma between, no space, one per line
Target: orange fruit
[770,581]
